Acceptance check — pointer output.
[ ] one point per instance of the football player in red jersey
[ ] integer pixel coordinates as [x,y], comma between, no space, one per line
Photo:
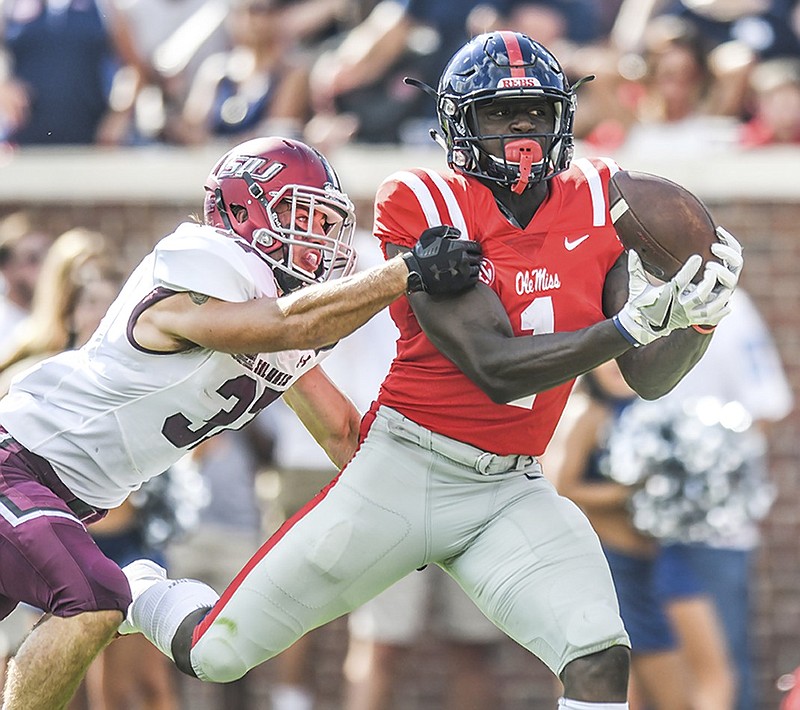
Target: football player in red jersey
[446,471]
[218,321]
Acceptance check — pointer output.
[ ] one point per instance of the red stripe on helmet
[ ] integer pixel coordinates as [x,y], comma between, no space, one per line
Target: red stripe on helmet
[515,61]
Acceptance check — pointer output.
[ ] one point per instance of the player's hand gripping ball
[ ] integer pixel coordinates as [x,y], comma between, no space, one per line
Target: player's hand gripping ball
[440,263]
[661,221]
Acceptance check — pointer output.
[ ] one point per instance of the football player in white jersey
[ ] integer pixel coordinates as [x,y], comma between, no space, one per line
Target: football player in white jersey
[221,319]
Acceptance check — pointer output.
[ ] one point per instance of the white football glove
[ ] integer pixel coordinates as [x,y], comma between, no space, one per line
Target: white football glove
[699,304]
[655,311]
[729,251]
[651,311]
[707,303]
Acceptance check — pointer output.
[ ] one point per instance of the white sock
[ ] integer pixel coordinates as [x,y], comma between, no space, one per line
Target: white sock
[160,610]
[567,704]
[285,696]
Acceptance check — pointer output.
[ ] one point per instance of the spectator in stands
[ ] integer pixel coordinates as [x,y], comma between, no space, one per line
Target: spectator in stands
[677,71]
[659,660]
[49,328]
[23,245]
[741,365]
[763,26]
[608,103]
[775,88]
[60,63]
[255,88]
[171,39]
[673,112]
[358,87]
[312,22]
[555,22]
[737,34]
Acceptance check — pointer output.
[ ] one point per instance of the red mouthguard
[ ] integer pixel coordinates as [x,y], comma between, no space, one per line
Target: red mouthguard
[526,152]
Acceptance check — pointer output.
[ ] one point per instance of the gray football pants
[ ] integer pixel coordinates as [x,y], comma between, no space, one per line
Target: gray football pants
[526,556]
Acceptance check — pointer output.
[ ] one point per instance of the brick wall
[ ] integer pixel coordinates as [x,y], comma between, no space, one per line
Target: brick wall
[748,194]
[770,232]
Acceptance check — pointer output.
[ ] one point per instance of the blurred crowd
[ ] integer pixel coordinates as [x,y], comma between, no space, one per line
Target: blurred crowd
[185,72]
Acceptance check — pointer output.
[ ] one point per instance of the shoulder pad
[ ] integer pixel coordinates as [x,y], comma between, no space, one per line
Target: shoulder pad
[199,258]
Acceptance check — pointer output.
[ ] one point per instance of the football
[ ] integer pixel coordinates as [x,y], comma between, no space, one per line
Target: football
[661,220]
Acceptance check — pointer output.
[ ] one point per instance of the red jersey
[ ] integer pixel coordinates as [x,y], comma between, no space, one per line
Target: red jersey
[549,277]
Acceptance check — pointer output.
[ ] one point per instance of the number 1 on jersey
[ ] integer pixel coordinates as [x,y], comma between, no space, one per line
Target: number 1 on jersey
[538,318]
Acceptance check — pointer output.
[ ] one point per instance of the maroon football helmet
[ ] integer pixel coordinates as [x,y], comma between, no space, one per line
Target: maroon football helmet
[271,192]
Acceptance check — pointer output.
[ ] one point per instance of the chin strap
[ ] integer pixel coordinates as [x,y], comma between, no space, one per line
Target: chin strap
[219,202]
[525,152]
[287,282]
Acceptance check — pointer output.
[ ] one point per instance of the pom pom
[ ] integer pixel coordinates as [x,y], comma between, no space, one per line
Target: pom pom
[698,468]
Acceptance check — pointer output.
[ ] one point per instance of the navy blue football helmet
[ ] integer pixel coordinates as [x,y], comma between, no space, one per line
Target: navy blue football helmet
[505,65]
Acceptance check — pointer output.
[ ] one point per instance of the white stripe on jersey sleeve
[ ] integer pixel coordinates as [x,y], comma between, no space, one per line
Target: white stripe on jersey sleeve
[425,198]
[599,207]
[611,164]
[450,200]
[422,193]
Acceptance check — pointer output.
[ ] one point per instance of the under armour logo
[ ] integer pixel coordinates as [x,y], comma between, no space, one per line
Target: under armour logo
[451,269]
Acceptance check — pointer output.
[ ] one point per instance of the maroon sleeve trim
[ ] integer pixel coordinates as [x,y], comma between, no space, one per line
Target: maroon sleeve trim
[157,294]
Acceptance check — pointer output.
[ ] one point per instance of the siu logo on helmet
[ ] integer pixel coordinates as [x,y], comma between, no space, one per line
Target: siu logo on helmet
[518,82]
[260,169]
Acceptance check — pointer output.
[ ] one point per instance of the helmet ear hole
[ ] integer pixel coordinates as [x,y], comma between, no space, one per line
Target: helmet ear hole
[265,238]
[239,213]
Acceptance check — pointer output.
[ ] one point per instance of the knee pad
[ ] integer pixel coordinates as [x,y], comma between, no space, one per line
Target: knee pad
[593,625]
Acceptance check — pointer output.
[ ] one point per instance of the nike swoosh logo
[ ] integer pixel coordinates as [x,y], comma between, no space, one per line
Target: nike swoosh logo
[575,243]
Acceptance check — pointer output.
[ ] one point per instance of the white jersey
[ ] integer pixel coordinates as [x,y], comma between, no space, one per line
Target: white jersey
[113,414]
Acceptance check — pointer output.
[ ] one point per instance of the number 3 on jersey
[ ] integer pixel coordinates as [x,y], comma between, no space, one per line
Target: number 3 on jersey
[241,391]
[538,318]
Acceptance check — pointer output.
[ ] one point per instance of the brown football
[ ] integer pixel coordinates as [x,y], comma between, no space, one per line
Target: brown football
[661,220]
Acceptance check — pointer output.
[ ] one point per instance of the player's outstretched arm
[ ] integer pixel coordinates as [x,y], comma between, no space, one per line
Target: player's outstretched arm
[312,317]
[474,332]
